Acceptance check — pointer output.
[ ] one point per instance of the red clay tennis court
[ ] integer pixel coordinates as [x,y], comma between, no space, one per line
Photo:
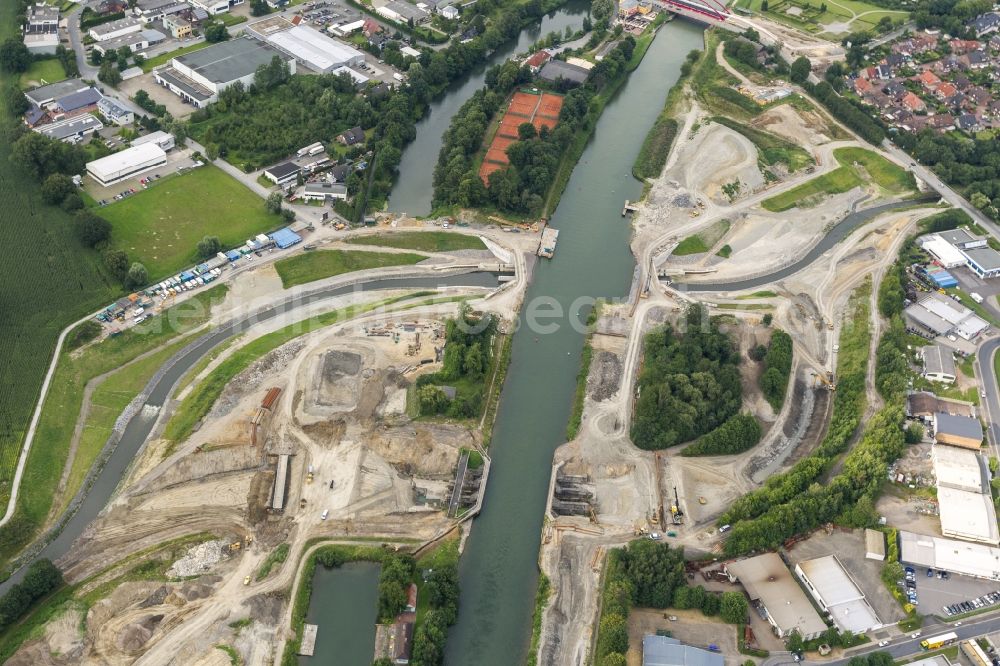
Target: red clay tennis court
[539,110]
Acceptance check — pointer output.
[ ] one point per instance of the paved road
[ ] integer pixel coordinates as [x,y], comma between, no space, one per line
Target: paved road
[987,376]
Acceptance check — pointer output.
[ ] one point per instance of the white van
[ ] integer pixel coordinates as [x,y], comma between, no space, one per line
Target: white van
[326,512]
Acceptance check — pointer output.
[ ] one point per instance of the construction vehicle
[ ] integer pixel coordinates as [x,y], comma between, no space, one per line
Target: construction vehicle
[675,509]
[826,380]
[702,500]
[235,546]
[249,539]
[309,476]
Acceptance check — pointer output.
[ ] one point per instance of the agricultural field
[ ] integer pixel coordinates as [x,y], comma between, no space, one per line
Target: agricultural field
[886,174]
[161,226]
[312,266]
[49,280]
[839,180]
[42,72]
[826,18]
[423,241]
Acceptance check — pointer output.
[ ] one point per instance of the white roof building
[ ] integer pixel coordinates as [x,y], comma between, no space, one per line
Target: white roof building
[965,322]
[164,140]
[127,163]
[314,49]
[836,592]
[959,469]
[946,254]
[968,515]
[770,584]
[969,559]
[114,29]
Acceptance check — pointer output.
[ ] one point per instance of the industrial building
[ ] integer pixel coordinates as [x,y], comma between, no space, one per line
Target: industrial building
[960,469]
[286,172]
[557,69]
[198,77]
[133,41]
[308,46]
[939,364]
[666,651]
[324,192]
[936,315]
[127,163]
[214,7]
[773,590]
[179,27]
[964,431]
[837,593]
[158,10]
[41,29]
[984,262]
[164,140]
[401,12]
[115,112]
[961,557]
[959,247]
[964,498]
[71,130]
[107,31]
[285,238]
[46,96]
[923,405]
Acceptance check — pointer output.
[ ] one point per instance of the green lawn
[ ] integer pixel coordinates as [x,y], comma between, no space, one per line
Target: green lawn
[311,266]
[807,16]
[888,175]
[42,72]
[704,240]
[839,180]
[164,58]
[691,245]
[161,226]
[424,241]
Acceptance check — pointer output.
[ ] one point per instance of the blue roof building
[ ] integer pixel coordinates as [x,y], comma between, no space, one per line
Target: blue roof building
[285,238]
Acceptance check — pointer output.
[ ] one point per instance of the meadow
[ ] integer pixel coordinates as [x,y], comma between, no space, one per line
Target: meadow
[312,266]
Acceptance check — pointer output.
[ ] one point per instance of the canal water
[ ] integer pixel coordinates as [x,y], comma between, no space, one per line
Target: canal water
[344,605]
[498,570]
[412,192]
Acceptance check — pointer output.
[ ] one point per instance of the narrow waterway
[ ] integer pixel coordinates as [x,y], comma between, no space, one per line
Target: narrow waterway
[344,604]
[498,570]
[412,193]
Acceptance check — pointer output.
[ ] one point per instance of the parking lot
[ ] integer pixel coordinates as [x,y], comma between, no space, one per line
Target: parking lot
[933,594]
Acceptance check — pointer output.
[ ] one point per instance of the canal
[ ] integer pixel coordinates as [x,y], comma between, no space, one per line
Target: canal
[344,604]
[413,190]
[498,570]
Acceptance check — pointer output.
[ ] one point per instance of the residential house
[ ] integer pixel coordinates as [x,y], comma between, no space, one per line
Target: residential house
[179,27]
[928,79]
[979,95]
[977,60]
[537,59]
[913,103]
[994,108]
[112,7]
[960,46]
[894,89]
[114,111]
[942,121]
[945,90]
[985,24]
[450,12]
[961,82]
[371,27]
[895,60]
[968,122]
[352,136]
[862,86]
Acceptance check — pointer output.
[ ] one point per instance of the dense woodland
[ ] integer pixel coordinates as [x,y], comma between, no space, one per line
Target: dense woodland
[468,355]
[689,385]
[777,366]
[739,433]
[520,188]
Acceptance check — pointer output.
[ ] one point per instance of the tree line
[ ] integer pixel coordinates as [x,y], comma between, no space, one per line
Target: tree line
[441,588]
[40,579]
[739,433]
[689,384]
[847,112]
[777,367]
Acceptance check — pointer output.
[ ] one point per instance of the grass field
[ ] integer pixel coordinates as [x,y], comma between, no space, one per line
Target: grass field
[164,58]
[48,281]
[65,399]
[48,71]
[424,241]
[810,17]
[312,266]
[161,226]
[704,240]
[886,174]
[690,245]
[839,180]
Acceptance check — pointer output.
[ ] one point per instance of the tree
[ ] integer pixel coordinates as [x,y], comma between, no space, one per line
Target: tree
[209,246]
[91,229]
[612,635]
[763,6]
[613,659]
[733,607]
[432,399]
[109,73]
[914,433]
[14,56]
[17,103]
[117,264]
[137,276]
[768,318]
[800,70]
[273,203]
[216,32]
[259,8]
[56,188]
[526,131]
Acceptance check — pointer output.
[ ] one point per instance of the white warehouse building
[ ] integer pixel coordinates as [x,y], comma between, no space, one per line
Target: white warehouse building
[315,50]
[127,163]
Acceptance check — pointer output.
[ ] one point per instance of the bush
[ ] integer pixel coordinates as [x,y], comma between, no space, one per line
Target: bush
[91,229]
[734,607]
[612,635]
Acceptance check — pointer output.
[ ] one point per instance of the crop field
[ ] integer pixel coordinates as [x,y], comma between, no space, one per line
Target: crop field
[65,398]
[837,18]
[425,241]
[47,281]
[161,226]
[312,266]
[839,180]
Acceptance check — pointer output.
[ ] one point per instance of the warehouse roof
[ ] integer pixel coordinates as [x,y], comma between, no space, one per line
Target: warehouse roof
[113,26]
[985,257]
[948,309]
[79,100]
[971,559]
[767,579]
[958,236]
[959,426]
[875,543]
[557,69]
[126,159]
[283,169]
[314,48]
[45,94]
[325,188]
[191,87]
[922,403]
[968,515]
[927,319]
[945,252]
[938,360]
[958,468]
[841,596]
[232,60]
[665,651]
[76,126]
[285,237]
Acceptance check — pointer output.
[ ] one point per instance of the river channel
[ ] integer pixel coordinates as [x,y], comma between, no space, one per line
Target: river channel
[499,570]
[139,427]
[412,192]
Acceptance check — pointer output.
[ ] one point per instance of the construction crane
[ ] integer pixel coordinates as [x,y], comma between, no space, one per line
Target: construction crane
[826,380]
[675,509]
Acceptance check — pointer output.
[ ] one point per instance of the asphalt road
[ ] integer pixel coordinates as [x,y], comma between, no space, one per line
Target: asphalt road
[987,377]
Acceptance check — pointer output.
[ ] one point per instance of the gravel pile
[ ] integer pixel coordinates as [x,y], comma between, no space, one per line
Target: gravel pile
[200,559]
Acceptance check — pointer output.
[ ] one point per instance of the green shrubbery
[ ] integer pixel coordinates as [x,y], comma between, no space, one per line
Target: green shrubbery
[777,366]
[738,434]
[690,383]
[468,356]
[41,578]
